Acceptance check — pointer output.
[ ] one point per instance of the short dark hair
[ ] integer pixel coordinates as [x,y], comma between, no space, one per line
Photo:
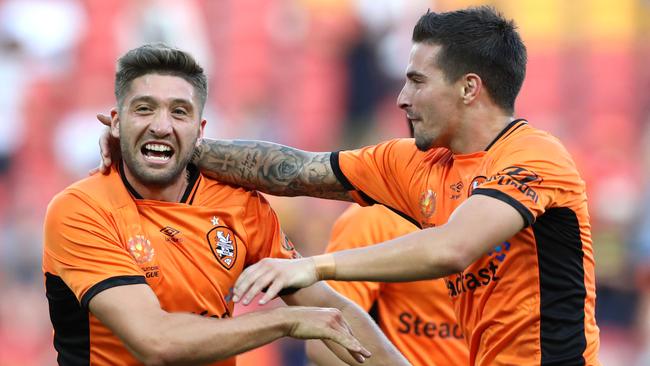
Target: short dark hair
[158,58]
[478,40]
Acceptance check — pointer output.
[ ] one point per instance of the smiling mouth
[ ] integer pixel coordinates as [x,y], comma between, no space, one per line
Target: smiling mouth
[157,152]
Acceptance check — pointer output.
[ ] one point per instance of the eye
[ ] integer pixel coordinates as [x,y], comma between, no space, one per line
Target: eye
[143,109]
[180,111]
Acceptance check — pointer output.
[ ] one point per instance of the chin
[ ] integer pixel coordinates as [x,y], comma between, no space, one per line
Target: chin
[423,145]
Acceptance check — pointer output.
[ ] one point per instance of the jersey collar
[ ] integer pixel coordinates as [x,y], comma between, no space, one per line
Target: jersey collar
[510,128]
[192,183]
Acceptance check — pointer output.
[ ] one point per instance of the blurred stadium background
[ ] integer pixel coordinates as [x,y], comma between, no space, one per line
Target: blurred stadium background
[320,75]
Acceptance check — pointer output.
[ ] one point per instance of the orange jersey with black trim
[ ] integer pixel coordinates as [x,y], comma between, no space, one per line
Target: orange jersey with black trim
[531,299]
[417,317]
[99,234]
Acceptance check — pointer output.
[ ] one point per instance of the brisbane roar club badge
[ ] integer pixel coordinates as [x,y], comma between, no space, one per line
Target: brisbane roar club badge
[477,181]
[223,244]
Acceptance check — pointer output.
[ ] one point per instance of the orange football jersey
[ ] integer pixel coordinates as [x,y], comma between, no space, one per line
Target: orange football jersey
[417,317]
[99,233]
[530,300]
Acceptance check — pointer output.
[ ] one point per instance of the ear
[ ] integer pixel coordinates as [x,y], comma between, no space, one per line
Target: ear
[201,132]
[472,85]
[115,124]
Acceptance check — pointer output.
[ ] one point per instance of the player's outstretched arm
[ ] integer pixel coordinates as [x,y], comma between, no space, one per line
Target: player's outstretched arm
[271,168]
[156,337]
[477,225]
[363,327]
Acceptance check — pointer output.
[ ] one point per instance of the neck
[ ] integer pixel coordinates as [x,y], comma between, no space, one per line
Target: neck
[478,129]
[169,193]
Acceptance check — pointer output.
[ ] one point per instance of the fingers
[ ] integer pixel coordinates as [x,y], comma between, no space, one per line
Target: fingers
[104,119]
[356,350]
[105,149]
[246,280]
[259,284]
[352,345]
[271,292]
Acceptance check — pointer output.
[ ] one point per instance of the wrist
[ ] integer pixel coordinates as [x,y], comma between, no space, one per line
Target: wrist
[325,266]
[284,320]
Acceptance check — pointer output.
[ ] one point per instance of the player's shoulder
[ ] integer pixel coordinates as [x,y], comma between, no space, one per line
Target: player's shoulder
[528,140]
[95,196]
[213,192]
[96,192]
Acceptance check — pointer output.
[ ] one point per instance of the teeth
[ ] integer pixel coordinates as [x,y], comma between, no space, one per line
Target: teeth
[160,158]
[157,147]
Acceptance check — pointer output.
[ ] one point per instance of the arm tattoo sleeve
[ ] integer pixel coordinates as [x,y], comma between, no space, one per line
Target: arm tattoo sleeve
[271,168]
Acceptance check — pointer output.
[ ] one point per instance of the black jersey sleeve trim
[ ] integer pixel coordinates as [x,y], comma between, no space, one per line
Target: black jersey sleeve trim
[529,219]
[509,129]
[336,168]
[109,283]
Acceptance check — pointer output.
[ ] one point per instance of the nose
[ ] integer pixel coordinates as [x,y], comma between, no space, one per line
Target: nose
[161,125]
[403,100]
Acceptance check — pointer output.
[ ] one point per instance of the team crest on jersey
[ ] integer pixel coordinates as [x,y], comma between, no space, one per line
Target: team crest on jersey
[141,249]
[223,244]
[428,203]
[477,181]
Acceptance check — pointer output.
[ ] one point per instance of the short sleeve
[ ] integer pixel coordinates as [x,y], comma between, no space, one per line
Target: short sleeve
[82,247]
[532,174]
[265,237]
[381,173]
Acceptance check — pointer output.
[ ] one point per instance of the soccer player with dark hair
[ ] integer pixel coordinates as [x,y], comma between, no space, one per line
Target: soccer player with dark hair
[139,263]
[511,234]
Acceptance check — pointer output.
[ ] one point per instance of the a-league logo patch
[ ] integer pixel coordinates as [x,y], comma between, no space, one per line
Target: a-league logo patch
[223,245]
[141,249]
[428,203]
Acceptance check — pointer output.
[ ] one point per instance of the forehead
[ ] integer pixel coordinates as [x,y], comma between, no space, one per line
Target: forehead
[161,87]
[423,57]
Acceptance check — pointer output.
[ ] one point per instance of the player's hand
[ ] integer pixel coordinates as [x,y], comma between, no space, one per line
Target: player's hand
[106,141]
[324,323]
[275,274]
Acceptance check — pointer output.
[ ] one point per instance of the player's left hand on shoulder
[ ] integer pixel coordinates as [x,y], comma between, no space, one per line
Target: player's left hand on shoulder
[274,274]
[105,147]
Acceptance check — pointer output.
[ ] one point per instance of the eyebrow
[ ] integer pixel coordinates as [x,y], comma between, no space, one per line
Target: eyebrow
[151,100]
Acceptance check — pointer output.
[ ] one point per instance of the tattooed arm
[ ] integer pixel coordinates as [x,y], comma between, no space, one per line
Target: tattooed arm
[271,168]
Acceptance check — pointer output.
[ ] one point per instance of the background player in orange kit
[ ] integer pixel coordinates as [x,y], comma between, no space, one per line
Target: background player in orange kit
[417,317]
[514,243]
[139,263]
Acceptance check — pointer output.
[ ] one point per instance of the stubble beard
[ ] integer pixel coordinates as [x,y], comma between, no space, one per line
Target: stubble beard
[423,143]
